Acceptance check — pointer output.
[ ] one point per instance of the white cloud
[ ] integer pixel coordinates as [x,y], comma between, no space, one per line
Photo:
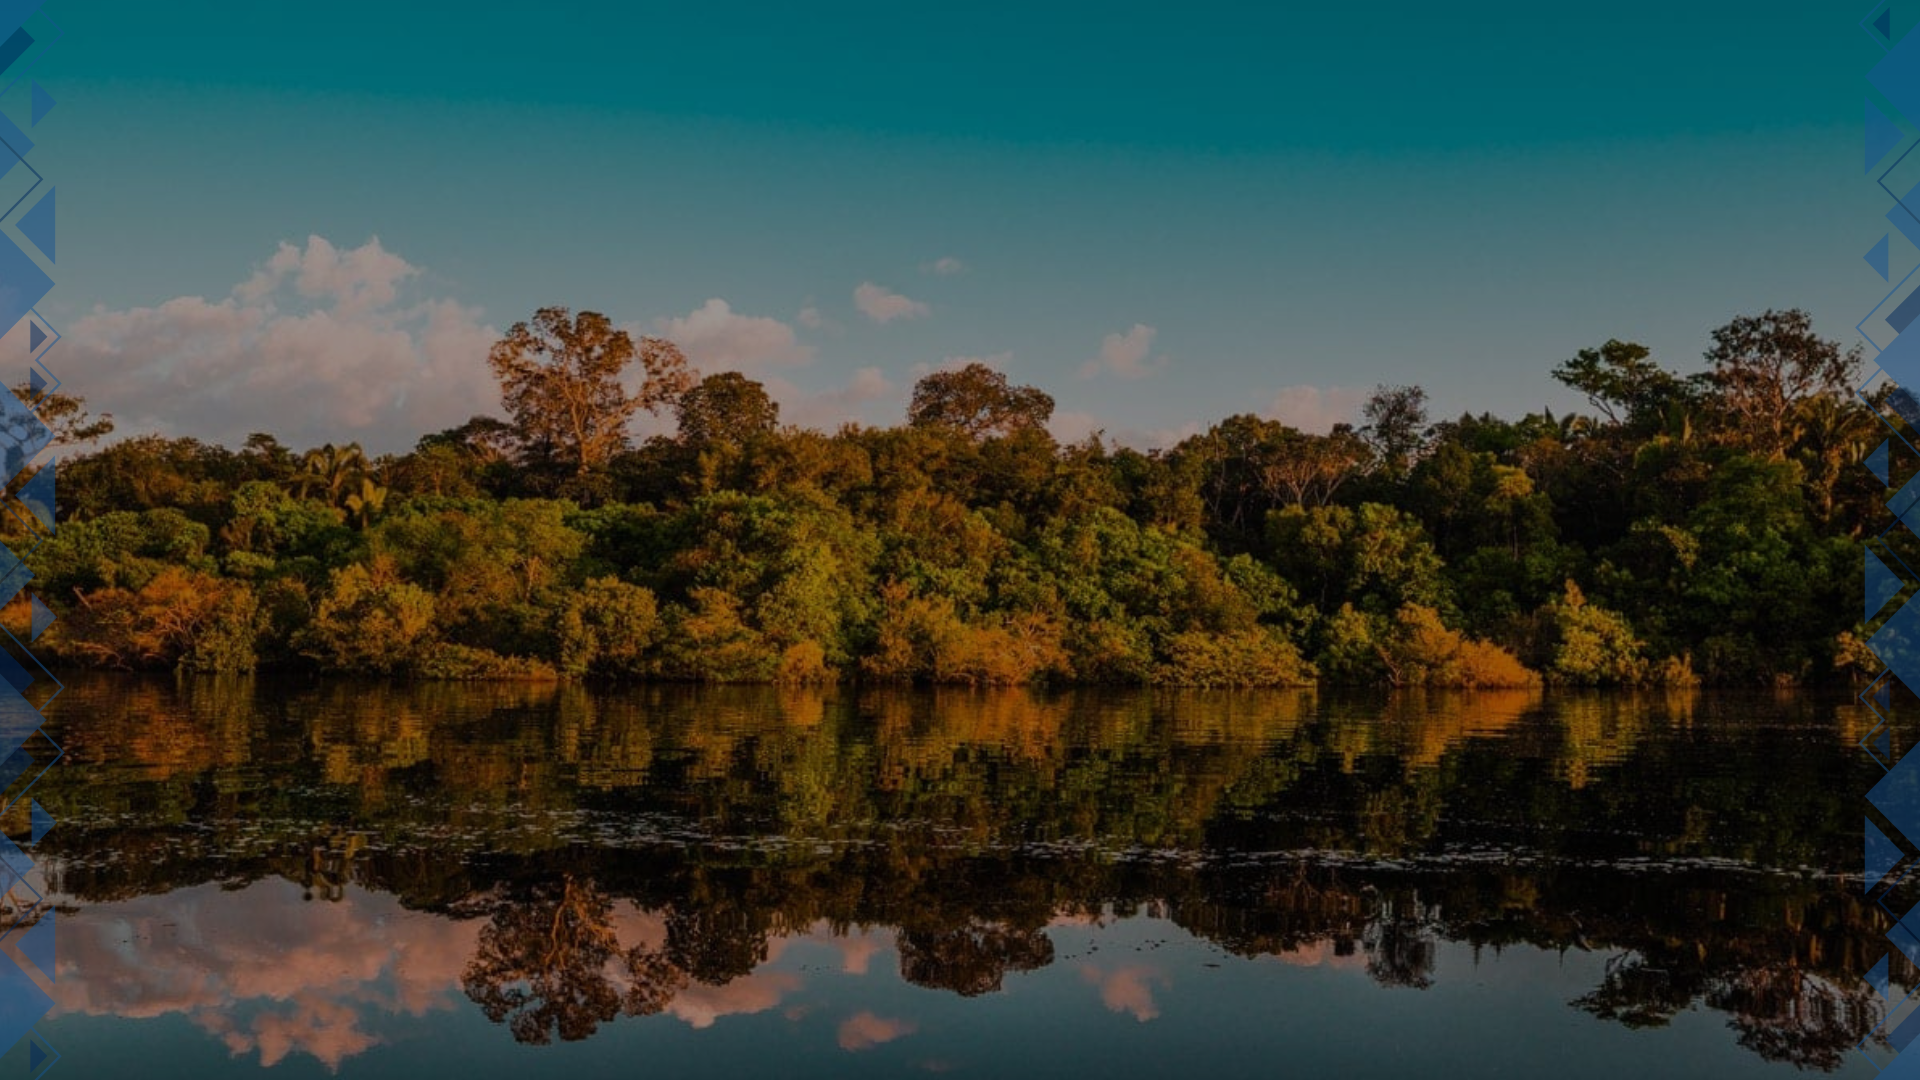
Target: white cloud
[361,279]
[1316,409]
[315,346]
[883,305]
[864,1031]
[811,318]
[945,265]
[717,338]
[1126,355]
[827,410]
[997,361]
[1071,427]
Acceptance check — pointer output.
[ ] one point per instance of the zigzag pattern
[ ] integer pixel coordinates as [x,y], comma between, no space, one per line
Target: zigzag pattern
[1886,575]
[27,922]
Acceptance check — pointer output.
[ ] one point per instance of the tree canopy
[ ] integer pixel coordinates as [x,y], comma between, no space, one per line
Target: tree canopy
[1696,525]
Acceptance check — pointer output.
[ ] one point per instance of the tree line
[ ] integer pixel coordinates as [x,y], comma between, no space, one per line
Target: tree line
[1685,528]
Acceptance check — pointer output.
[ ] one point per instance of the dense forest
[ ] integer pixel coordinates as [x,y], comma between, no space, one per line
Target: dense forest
[1689,527]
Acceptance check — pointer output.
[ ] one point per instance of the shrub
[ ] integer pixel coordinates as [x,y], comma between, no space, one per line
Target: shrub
[179,618]
[370,621]
[710,642]
[608,628]
[1591,646]
[1246,658]
[923,639]
[804,662]
[1424,652]
[446,660]
[1353,646]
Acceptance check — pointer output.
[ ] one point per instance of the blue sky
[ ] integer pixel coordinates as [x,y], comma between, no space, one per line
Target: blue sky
[1161,214]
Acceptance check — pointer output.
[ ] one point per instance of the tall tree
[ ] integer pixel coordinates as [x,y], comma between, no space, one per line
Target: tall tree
[1395,425]
[1766,366]
[979,402]
[1623,382]
[727,407]
[563,380]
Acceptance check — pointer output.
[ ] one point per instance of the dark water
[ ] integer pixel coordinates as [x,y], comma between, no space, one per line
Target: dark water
[496,881]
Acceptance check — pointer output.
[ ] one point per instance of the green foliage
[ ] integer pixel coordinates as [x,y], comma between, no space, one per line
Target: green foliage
[371,621]
[1713,519]
[179,619]
[608,629]
[1244,658]
[1373,556]
[1422,651]
[1591,646]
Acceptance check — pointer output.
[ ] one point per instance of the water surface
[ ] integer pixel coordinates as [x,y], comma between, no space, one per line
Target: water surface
[483,880]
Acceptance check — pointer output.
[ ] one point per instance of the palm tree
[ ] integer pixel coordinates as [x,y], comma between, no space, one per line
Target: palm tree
[333,468]
[368,501]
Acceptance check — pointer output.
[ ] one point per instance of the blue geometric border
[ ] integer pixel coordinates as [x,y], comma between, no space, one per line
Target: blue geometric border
[1888,856]
[28,251]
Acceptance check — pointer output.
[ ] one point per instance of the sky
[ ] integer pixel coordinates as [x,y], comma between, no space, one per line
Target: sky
[314,218]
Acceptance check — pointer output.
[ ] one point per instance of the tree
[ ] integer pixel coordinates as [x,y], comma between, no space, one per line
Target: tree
[1395,425]
[486,439]
[728,407]
[332,468]
[1623,383]
[551,962]
[1766,366]
[978,402]
[66,417]
[561,378]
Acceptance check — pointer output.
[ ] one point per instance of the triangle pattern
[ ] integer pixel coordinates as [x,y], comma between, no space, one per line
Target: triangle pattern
[37,944]
[1882,854]
[1882,585]
[37,224]
[38,495]
[1882,135]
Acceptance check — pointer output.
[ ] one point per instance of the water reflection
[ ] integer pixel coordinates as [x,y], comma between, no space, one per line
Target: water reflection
[309,870]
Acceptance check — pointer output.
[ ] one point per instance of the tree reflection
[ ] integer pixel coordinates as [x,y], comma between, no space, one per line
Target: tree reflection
[549,962]
[966,823]
[971,958]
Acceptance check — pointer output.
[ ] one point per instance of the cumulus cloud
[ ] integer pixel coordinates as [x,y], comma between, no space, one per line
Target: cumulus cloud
[945,265]
[1315,408]
[717,338]
[359,279]
[811,318]
[700,1004]
[828,409]
[1071,427]
[1127,989]
[1128,355]
[864,1031]
[319,344]
[261,982]
[883,305]
[997,361]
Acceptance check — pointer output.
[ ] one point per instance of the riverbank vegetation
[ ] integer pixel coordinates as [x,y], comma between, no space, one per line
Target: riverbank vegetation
[1688,527]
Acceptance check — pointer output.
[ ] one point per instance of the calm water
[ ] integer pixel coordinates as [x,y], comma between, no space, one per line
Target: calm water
[488,881]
